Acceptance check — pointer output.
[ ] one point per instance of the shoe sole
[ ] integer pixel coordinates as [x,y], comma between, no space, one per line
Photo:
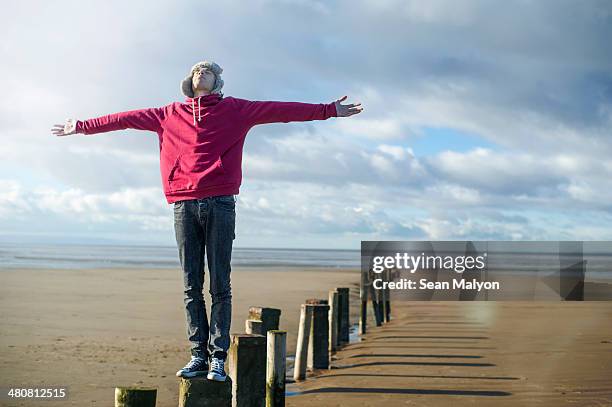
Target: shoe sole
[193,374]
[216,377]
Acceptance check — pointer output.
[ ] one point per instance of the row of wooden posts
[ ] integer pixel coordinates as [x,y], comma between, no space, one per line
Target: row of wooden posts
[257,359]
[380,298]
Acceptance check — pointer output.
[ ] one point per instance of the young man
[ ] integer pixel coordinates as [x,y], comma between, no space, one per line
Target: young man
[201,142]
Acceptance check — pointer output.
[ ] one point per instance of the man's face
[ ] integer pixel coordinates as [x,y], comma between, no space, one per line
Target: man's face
[203,79]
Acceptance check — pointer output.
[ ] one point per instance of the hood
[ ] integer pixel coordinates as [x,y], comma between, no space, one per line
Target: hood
[202,102]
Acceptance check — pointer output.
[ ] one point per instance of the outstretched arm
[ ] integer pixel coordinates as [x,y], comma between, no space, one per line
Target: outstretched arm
[140,119]
[261,112]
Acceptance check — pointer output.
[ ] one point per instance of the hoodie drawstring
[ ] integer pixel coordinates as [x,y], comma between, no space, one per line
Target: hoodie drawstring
[209,100]
[193,111]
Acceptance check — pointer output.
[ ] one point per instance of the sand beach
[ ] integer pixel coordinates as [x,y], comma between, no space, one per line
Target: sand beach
[94,329]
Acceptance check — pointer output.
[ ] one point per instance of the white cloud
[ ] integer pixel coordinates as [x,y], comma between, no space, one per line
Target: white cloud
[398,153]
[11,199]
[389,128]
[142,207]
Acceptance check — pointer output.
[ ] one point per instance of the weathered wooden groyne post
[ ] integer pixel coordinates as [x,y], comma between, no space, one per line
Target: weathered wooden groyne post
[333,321]
[262,319]
[315,301]
[318,344]
[386,292]
[135,396]
[276,368]
[200,392]
[253,326]
[363,302]
[247,369]
[303,339]
[343,319]
[375,295]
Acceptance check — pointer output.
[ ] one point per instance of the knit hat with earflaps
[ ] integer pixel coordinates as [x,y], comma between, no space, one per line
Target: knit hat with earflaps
[187,84]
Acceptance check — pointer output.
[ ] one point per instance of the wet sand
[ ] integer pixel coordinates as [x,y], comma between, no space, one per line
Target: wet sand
[473,353]
[92,330]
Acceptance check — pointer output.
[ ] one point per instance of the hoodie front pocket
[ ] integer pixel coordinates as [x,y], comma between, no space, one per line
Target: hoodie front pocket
[196,171]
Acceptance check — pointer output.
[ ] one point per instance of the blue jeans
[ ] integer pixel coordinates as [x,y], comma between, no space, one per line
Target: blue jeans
[207,227]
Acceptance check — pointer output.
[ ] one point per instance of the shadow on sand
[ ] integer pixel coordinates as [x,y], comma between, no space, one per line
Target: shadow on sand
[413,355]
[392,363]
[376,390]
[421,376]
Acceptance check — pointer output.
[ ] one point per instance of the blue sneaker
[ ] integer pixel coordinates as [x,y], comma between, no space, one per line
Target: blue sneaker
[216,371]
[197,366]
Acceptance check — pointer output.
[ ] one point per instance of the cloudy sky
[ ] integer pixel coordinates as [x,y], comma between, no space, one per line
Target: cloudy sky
[483,120]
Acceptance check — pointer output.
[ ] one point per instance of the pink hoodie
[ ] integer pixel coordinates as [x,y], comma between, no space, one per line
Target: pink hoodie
[201,146]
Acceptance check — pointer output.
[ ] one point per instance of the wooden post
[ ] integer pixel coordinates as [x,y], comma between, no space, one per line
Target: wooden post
[387,296]
[374,293]
[363,299]
[270,317]
[254,326]
[318,346]
[384,292]
[276,368]
[135,396]
[333,321]
[301,353]
[247,369]
[381,306]
[344,323]
[200,392]
[315,301]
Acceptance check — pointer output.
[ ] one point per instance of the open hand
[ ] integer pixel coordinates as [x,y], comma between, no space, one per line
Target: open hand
[64,129]
[347,110]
